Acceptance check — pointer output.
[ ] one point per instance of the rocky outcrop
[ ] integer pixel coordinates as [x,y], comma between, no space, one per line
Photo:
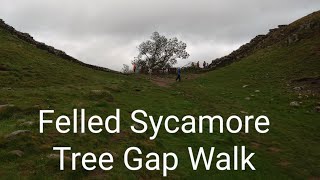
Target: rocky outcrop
[285,35]
[27,38]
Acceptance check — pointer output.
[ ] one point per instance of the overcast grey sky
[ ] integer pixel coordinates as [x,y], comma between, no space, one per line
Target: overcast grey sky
[107,32]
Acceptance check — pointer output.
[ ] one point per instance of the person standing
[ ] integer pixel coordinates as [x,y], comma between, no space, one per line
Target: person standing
[134,67]
[178,74]
[150,73]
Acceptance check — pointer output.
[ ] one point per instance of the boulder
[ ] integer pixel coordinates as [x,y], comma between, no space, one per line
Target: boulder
[294,104]
[293,38]
[297,88]
[18,153]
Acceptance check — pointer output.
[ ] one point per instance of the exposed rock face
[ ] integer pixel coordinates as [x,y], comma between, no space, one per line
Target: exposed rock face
[285,35]
[26,37]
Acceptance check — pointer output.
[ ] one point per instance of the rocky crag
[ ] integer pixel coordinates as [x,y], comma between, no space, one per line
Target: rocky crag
[283,35]
[28,38]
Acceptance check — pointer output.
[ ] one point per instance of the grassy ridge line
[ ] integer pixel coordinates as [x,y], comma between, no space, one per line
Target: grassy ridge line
[27,38]
[286,35]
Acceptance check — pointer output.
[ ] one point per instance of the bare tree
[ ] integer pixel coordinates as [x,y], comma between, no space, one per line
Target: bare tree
[160,52]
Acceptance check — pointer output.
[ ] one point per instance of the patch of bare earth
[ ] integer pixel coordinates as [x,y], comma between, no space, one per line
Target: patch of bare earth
[307,85]
[274,149]
[255,145]
[167,81]
[314,178]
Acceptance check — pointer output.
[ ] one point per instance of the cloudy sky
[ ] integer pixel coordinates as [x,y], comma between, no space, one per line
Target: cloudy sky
[107,32]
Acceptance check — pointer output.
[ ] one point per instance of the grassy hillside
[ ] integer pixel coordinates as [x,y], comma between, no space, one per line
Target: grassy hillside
[262,83]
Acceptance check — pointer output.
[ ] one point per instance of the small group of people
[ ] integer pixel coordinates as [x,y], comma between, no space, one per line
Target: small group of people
[205,65]
[197,64]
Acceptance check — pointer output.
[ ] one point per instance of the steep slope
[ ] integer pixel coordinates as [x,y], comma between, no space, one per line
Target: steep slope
[281,81]
[24,65]
[284,35]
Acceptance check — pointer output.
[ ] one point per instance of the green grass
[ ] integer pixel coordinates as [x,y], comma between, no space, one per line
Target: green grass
[34,79]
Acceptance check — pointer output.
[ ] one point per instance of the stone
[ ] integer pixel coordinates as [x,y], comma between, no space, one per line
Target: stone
[27,123]
[294,104]
[297,88]
[244,86]
[317,108]
[247,98]
[137,126]
[257,91]
[18,132]
[4,106]
[18,153]
[293,38]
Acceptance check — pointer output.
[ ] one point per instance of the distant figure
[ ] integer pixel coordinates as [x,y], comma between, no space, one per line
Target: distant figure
[134,67]
[150,72]
[178,74]
[192,65]
[198,65]
[204,64]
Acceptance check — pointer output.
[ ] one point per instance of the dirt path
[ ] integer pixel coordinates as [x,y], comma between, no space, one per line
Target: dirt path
[167,81]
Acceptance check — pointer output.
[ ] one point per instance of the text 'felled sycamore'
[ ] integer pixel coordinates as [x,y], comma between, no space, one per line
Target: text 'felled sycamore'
[171,124]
